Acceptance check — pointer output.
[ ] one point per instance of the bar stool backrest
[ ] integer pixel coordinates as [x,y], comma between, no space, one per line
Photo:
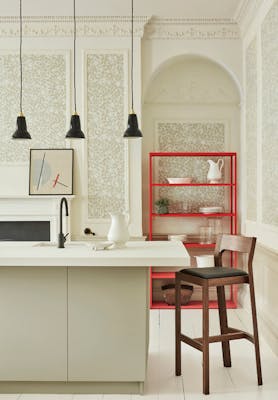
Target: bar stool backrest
[241,244]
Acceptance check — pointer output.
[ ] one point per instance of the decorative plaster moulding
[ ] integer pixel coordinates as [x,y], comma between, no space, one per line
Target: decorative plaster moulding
[149,27]
[187,28]
[246,12]
[62,26]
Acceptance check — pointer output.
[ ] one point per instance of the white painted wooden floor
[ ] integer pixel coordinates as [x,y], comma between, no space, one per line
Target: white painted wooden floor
[236,383]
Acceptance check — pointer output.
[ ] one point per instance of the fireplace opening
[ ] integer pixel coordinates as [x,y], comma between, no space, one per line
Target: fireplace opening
[27,231]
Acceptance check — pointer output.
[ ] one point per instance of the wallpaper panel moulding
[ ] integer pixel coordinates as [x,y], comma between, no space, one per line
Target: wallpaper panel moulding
[150,27]
[189,136]
[106,118]
[269,34]
[45,94]
[251,130]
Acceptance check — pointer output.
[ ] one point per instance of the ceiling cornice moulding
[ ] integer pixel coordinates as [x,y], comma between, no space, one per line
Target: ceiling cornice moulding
[186,28]
[106,26]
[48,26]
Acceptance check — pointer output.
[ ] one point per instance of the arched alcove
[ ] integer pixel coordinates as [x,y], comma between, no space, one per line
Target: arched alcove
[191,103]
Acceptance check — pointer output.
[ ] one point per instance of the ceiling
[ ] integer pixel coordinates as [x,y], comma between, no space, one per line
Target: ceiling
[161,8]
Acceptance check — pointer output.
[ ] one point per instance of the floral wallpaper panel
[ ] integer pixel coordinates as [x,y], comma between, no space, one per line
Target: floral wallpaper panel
[106,124]
[44,103]
[251,130]
[269,36]
[186,136]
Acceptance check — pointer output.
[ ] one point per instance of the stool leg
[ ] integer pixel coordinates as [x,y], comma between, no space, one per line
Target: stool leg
[178,324]
[223,324]
[255,330]
[205,338]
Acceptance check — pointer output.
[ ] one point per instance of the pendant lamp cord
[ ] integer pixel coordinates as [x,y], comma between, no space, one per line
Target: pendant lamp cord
[132,55]
[20,54]
[74,57]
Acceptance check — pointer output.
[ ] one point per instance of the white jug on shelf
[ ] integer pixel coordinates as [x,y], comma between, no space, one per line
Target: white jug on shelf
[214,172]
[118,232]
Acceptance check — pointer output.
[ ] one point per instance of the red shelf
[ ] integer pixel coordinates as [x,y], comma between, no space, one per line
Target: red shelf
[192,244]
[192,305]
[163,275]
[192,154]
[193,215]
[193,184]
[199,245]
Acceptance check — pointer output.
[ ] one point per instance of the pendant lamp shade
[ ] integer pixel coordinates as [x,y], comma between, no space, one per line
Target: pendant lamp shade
[75,131]
[21,130]
[21,127]
[75,128]
[132,125]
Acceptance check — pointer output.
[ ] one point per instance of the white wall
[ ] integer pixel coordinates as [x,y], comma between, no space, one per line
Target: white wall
[260,147]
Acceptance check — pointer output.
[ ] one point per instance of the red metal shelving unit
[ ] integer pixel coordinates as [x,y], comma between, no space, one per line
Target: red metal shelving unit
[230,158]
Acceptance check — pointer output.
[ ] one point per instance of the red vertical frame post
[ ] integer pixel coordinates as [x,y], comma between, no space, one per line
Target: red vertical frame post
[150,196]
[231,196]
[151,219]
[235,220]
[235,193]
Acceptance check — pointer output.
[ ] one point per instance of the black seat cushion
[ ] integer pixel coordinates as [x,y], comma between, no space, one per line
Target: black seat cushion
[214,272]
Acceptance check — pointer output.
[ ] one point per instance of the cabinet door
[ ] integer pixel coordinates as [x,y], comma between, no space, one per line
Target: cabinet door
[108,324]
[33,313]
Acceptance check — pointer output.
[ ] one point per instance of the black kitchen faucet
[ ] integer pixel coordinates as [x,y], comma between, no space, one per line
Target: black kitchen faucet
[61,236]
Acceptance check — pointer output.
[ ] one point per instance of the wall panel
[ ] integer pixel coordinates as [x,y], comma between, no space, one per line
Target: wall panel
[190,136]
[44,102]
[269,34]
[106,99]
[251,130]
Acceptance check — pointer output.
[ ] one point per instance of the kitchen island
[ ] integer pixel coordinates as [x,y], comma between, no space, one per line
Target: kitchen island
[75,320]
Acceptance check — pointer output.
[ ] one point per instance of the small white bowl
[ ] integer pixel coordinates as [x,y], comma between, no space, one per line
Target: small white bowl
[187,179]
[102,245]
[211,210]
[177,237]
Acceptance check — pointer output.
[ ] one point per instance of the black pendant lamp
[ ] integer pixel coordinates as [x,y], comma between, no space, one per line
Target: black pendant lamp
[21,127]
[75,131]
[132,125]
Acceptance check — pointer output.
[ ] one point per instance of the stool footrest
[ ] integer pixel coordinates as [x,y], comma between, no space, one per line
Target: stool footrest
[196,343]
[231,334]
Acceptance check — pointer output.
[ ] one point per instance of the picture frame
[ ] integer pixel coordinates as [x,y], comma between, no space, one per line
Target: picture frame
[51,172]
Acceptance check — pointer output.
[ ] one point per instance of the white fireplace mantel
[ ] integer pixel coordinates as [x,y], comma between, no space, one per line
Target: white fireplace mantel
[34,208]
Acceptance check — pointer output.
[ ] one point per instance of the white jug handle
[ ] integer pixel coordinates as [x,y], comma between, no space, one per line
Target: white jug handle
[220,161]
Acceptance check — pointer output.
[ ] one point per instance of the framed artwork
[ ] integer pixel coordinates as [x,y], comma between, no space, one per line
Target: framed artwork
[51,172]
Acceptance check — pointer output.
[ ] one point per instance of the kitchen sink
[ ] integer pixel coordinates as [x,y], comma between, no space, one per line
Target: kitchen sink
[67,244]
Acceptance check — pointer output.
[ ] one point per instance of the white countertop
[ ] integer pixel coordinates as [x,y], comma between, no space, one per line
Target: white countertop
[135,254]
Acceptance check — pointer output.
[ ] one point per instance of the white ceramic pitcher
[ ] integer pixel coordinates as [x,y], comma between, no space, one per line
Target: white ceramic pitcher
[214,172]
[118,232]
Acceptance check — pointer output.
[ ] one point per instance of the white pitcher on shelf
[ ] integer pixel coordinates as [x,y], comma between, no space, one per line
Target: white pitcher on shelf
[214,172]
[118,232]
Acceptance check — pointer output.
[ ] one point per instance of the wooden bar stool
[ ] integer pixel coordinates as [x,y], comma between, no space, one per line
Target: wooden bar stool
[219,276]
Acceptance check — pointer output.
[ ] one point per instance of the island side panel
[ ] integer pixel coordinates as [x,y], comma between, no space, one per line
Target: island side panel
[33,334]
[108,314]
